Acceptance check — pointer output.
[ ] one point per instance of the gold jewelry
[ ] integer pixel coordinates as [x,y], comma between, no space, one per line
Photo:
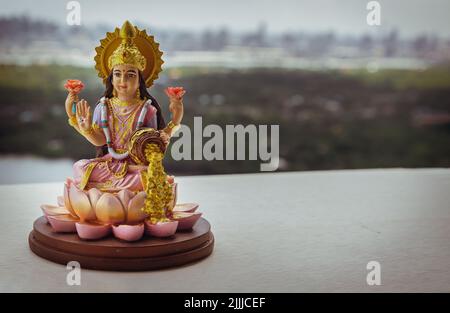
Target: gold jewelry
[87,132]
[138,94]
[127,52]
[131,46]
[114,93]
[117,102]
[172,127]
[72,121]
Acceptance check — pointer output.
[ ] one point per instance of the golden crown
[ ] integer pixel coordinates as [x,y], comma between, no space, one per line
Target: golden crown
[127,52]
[131,46]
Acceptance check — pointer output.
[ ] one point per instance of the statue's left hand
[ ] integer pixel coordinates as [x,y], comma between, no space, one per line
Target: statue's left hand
[83,115]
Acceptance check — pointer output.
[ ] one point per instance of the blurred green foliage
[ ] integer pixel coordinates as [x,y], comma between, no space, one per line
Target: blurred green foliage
[432,78]
[328,120]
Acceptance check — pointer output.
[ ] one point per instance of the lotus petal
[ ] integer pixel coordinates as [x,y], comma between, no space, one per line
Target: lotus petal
[186,220]
[185,207]
[174,200]
[109,210]
[94,194]
[60,200]
[81,204]
[92,231]
[135,213]
[161,229]
[125,196]
[53,210]
[129,232]
[67,203]
[62,223]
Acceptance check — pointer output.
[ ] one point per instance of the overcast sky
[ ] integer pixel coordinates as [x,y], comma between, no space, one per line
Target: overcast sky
[410,17]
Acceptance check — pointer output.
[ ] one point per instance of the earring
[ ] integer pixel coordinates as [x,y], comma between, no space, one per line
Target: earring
[114,93]
[138,94]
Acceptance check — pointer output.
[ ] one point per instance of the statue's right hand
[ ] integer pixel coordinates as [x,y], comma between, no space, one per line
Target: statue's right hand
[83,115]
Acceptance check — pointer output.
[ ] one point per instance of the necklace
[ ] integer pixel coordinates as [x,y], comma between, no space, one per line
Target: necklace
[123,113]
[104,126]
[125,120]
[123,103]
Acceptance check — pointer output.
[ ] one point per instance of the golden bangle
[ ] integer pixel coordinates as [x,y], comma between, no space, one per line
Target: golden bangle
[72,121]
[171,125]
[87,132]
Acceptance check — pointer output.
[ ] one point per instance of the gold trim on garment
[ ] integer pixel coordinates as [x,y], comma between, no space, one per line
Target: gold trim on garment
[87,174]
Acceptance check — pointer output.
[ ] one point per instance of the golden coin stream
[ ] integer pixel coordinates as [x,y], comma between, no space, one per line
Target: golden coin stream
[158,190]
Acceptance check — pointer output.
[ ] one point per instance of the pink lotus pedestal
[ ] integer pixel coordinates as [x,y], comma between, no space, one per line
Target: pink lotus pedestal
[110,231]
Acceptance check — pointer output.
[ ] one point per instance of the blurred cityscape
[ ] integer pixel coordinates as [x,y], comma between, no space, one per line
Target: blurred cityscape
[25,41]
[351,101]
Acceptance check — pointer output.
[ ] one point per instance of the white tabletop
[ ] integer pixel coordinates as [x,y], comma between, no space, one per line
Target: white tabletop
[283,232]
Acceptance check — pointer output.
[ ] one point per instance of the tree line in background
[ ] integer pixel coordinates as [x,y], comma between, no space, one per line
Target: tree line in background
[328,120]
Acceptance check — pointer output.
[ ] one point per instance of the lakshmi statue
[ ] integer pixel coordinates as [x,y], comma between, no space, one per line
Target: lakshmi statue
[126,74]
[124,189]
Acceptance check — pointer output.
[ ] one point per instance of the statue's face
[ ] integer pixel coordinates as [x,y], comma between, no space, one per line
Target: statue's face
[125,80]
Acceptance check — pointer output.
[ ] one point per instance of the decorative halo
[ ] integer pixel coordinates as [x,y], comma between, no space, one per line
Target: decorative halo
[146,44]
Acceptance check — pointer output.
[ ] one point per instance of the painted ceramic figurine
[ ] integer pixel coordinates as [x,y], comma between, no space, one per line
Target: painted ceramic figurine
[124,190]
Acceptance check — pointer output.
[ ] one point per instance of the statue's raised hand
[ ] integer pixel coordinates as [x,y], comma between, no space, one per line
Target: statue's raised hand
[83,115]
[175,95]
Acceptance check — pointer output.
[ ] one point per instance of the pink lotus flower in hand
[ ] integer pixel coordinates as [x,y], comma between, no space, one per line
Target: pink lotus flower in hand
[175,92]
[74,86]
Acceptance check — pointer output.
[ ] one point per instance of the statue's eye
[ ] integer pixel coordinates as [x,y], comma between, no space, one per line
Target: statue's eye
[117,74]
[131,75]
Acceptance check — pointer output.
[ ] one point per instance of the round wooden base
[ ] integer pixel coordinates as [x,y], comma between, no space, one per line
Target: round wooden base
[112,254]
